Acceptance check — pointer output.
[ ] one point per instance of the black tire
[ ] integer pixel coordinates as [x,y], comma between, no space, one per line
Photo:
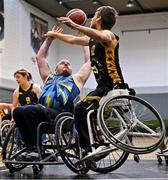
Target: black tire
[5,126]
[63,114]
[36,170]
[159,159]
[10,153]
[41,167]
[166,160]
[131,118]
[68,144]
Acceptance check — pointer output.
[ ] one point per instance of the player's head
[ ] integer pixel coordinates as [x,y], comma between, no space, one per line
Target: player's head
[63,68]
[106,16]
[22,75]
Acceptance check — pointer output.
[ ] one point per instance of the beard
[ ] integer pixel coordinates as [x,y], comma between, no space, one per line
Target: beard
[65,74]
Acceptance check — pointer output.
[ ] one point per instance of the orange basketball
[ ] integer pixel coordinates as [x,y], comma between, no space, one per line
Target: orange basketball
[77,16]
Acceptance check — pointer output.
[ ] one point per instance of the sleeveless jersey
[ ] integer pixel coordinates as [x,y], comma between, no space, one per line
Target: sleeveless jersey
[105,64]
[27,96]
[59,92]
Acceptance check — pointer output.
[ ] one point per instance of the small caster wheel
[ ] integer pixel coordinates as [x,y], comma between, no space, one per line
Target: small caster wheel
[136,158]
[159,159]
[41,167]
[11,171]
[35,170]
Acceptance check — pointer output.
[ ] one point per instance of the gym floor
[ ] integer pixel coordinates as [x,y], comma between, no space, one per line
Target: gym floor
[145,169]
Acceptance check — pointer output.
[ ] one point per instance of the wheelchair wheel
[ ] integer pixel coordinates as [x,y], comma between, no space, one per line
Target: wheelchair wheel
[68,144]
[5,126]
[110,161]
[10,151]
[131,124]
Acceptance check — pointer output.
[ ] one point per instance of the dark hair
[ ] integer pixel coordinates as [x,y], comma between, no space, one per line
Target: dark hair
[24,73]
[108,16]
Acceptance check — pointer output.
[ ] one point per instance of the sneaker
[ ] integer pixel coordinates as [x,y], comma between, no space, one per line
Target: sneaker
[32,156]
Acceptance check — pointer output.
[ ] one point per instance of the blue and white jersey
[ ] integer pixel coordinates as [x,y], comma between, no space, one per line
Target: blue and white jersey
[59,92]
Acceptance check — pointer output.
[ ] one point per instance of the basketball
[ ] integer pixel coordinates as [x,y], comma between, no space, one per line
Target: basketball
[77,16]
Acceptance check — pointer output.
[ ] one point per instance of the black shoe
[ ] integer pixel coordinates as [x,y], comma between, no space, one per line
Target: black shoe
[32,156]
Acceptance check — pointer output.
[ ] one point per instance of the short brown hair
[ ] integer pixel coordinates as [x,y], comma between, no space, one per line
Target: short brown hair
[108,15]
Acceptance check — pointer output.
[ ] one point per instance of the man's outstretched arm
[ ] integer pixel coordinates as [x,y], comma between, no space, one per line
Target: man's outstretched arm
[71,39]
[104,36]
[83,74]
[41,56]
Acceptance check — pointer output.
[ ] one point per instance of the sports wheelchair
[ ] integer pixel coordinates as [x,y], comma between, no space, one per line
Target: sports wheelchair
[124,123]
[16,156]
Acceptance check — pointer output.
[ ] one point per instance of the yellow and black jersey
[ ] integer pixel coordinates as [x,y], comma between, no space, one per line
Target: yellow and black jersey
[27,96]
[105,64]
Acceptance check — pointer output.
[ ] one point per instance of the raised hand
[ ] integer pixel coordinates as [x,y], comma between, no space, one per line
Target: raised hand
[54,30]
[67,21]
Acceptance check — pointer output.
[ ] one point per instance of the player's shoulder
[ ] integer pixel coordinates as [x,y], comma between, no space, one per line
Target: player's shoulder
[16,90]
[36,86]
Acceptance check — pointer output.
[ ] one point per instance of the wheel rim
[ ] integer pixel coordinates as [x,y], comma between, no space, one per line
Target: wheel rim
[139,115]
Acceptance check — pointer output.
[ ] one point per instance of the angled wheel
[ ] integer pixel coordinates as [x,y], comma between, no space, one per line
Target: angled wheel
[131,124]
[70,151]
[11,151]
[68,144]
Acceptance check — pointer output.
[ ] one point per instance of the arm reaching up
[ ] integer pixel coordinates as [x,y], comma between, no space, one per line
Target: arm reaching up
[41,56]
[42,63]
[83,74]
[104,36]
[71,39]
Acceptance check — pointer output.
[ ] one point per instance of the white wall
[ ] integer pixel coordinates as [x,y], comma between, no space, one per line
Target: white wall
[143,55]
